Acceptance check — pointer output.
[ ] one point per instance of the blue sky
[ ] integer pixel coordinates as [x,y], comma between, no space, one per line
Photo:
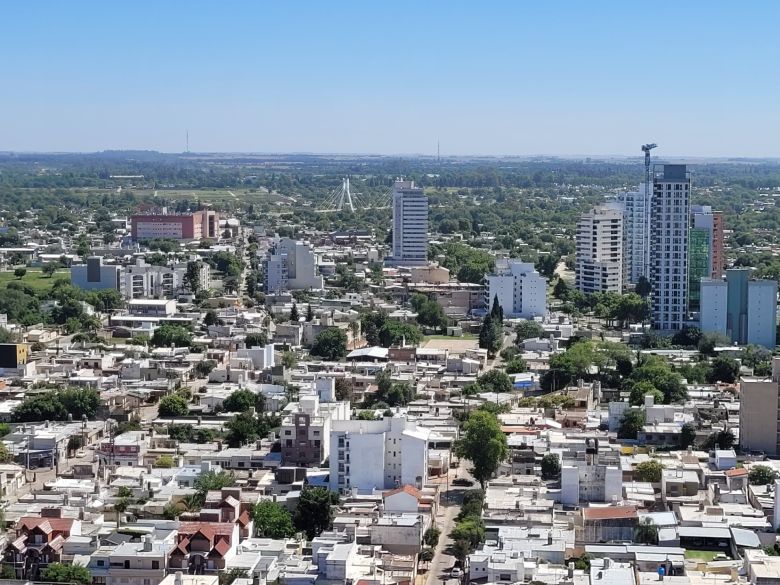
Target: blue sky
[520,77]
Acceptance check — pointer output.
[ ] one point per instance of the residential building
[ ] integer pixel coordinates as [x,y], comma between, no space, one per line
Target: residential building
[703,217]
[95,275]
[699,260]
[292,265]
[306,430]
[599,264]
[410,225]
[131,563]
[606,524]
[204,547]
[759,412]
[705,250]
[188,226]
[13,355]
[670,209]
[589,480]
[39,542]
[148,280]
[636,233]
[378,454]
[742,308]
[521,291]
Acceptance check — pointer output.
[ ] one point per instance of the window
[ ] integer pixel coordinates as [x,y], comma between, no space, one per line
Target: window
[127,564]
[155,564]
[101,563]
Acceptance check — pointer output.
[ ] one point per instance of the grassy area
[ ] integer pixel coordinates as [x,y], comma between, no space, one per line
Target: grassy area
[700,555]
[34,279]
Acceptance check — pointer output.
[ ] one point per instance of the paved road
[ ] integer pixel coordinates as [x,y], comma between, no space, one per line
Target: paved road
[439,568]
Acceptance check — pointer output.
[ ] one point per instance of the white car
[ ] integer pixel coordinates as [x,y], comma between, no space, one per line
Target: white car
[456,573]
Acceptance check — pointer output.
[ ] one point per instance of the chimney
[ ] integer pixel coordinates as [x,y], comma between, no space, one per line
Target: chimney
[570,570]
[147,543]
[255,578]
[549,538]
[177,580]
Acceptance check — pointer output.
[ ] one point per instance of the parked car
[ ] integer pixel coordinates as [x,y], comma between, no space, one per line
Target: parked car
[456,573]
[462,481]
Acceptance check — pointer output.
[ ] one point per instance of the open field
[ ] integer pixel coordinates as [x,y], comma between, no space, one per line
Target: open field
[34,279]
[454,344]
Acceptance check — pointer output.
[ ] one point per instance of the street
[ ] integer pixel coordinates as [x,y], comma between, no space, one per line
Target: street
[439,568]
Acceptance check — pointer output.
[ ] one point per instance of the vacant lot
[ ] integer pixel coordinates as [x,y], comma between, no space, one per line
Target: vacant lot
[454,344]
[34,278]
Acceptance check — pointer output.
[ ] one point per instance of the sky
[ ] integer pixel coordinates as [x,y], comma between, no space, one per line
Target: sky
[592,77]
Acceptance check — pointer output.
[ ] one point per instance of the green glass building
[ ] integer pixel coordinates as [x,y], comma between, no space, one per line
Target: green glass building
[698,265]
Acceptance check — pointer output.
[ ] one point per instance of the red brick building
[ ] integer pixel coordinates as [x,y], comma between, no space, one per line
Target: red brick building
[190,226]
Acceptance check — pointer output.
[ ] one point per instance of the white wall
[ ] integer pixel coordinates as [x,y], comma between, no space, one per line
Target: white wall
[762,313]
[712,316]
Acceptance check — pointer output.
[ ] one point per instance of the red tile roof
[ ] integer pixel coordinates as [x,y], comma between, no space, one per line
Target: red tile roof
[409,489]
[609,512]
[243,519]
[736,472]
[206,528]
[222,547]
[47,525]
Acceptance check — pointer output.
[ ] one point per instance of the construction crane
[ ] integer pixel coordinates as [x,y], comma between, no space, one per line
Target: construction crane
[646,148]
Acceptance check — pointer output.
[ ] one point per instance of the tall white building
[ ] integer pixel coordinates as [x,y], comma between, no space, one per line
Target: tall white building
[410,225]
[743,309]
[636,233]
[521,291]
[378,454]
[292,265]
[669,217]
[599,259]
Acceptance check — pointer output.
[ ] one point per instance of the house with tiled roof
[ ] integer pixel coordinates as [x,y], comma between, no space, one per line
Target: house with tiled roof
[230,505]
[204,547]
[39,541]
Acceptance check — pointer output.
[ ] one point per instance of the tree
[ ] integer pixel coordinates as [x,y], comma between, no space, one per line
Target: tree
[204,368]
[20,272]
[289,360]
[561,290]
[494,381]
[239,401]
[60,573]
[192,276]
[164,462]
[294,316]
[641,389]
[343,389]
[648,471]
[168,335]
[173,406]
[314,513]
[272,520]
[551,466]
[309,314]
[546,264]
[213,481]
[429,312]
[469,532]
[643,287]
[491,334]
[242,430]
[687,337]
[256,340]
[659,373]
[631,423]
[426,555]
[431,536]
[49,269]
[330,344]
[210,318]
[229,576]
[687,435]
[646,532]
[516,365]
[724,369]
[394,332]
[709,341]
[761,475]
[725,439]
[5,456]
[528,330]
[484,444]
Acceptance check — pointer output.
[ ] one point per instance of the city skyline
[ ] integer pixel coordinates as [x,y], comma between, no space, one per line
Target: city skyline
[507,79]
